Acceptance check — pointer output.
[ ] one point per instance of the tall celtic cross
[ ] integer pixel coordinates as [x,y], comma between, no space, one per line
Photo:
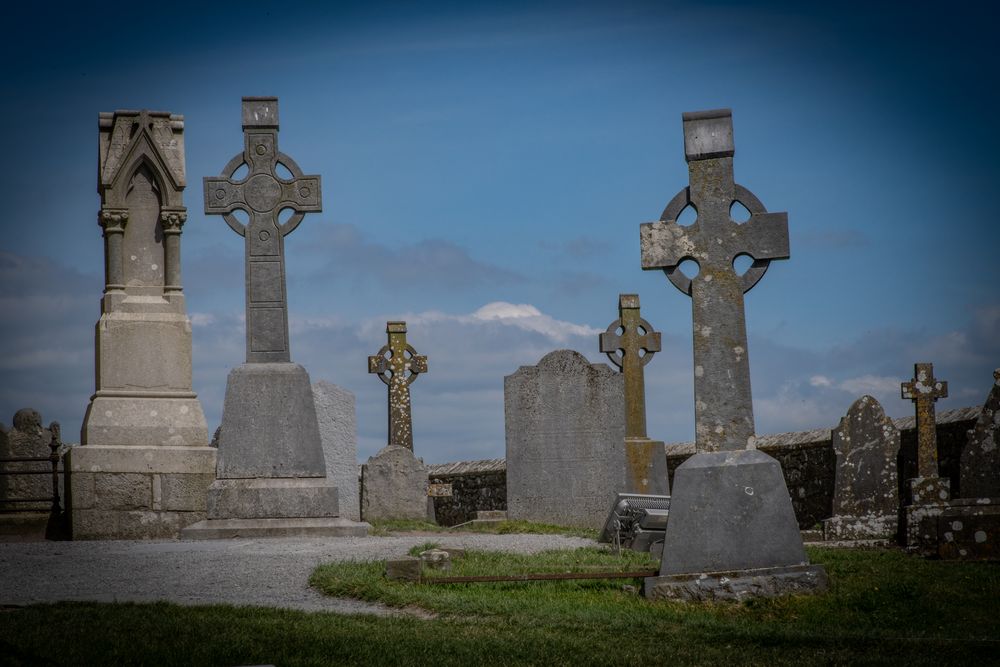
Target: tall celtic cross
[263,195]
[630,344]
[723,406]
[924,390]
[397,364]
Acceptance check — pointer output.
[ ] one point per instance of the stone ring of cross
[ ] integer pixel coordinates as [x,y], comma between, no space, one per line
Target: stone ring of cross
[616,330]
[265,193]
[680,202]
[380,364]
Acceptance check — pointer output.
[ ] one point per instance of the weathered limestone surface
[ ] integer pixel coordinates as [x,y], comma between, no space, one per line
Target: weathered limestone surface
[969,529]
[338,431]
[394,486]
[865,499]
[730,510]
[478,487]
[630,343]
[564,428]
[980,463]
[143,397]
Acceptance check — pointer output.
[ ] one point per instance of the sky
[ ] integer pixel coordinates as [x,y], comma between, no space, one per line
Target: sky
[485,169]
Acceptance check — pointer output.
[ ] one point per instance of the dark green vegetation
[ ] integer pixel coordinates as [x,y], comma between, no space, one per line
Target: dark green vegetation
[884,607]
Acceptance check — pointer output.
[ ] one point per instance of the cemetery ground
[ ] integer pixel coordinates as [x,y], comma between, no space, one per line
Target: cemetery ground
[883,607]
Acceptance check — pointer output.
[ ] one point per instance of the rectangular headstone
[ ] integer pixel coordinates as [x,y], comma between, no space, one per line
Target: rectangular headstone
[980,467]
[338,430]
[565,421]
[865,495]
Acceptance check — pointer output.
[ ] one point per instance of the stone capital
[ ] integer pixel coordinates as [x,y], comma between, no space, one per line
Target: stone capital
[113,220]
[172,219]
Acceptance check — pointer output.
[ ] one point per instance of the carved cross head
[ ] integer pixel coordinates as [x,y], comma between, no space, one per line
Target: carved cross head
[397,361]
[630,336]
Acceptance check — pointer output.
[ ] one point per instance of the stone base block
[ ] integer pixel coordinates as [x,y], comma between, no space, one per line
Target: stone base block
[738,585]
[646,467]
[269,425]
[136,492]
[282,498]
[969,529]
[730,511]
[871,527]
[223,529]
[928,498]
[145,421]
[929,490]
[394,486]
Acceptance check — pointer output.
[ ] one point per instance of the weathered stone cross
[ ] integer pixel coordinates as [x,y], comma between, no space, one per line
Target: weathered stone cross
[630,344]
[625,350]
[723,406]
[397,364]
[263,194]
[924,390]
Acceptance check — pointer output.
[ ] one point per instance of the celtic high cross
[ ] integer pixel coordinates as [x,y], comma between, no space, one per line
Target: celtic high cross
[723,406]
[263,195]
[630,344]
[397,364]
[924,390]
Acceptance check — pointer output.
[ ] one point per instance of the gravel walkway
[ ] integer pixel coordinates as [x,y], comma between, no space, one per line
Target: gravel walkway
[257,572]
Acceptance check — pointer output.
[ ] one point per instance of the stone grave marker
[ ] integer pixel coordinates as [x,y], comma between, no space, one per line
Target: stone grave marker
[630,343]
[928,491]
[732,531]
[865,495]
[980,463]
[565,422]
[27,438]
[271,475]
[143,464]
[338,431]
[394,482]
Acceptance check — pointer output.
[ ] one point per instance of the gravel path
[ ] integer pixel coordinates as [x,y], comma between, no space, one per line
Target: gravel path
[257,572]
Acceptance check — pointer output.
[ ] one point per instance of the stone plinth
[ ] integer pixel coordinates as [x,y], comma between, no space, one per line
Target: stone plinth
[565,424]
[136,492]
[338,431]
[394,486]
[969,529]
[865,497]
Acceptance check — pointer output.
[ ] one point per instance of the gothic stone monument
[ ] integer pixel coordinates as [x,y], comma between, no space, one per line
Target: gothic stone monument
[143,463]
[732,531]
[271,474]
[630,344]
[394,481]
[565,423]
[865,492]
[928,491]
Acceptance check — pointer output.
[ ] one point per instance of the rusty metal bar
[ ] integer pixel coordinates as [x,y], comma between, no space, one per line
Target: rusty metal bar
[554,576]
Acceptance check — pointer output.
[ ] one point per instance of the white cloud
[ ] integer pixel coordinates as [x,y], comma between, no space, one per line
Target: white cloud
[527,317]
[870,384]
[820,381]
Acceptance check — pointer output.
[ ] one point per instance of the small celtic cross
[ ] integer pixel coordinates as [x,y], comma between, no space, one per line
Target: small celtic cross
[630,344]
[397,364]
[924,390]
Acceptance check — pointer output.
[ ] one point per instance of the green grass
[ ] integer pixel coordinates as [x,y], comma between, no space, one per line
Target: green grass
[383,528]
[883,608]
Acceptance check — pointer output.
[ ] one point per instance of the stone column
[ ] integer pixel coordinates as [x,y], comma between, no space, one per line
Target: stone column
[171,222]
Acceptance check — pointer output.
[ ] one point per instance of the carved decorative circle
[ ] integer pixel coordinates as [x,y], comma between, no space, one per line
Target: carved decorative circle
[262,192]
[261,149]
[264,235]
[304,192]
[220,194]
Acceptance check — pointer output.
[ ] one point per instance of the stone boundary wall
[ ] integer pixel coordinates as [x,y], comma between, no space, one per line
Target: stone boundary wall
[806,458]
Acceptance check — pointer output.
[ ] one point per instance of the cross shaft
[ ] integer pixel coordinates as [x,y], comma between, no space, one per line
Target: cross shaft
[924,390]
[397,364]
[263,195]
[723,402]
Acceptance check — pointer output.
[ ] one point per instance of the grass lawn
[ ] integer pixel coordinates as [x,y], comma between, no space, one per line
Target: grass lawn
[883,608]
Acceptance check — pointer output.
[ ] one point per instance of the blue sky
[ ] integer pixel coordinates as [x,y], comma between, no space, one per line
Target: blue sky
[485,170]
